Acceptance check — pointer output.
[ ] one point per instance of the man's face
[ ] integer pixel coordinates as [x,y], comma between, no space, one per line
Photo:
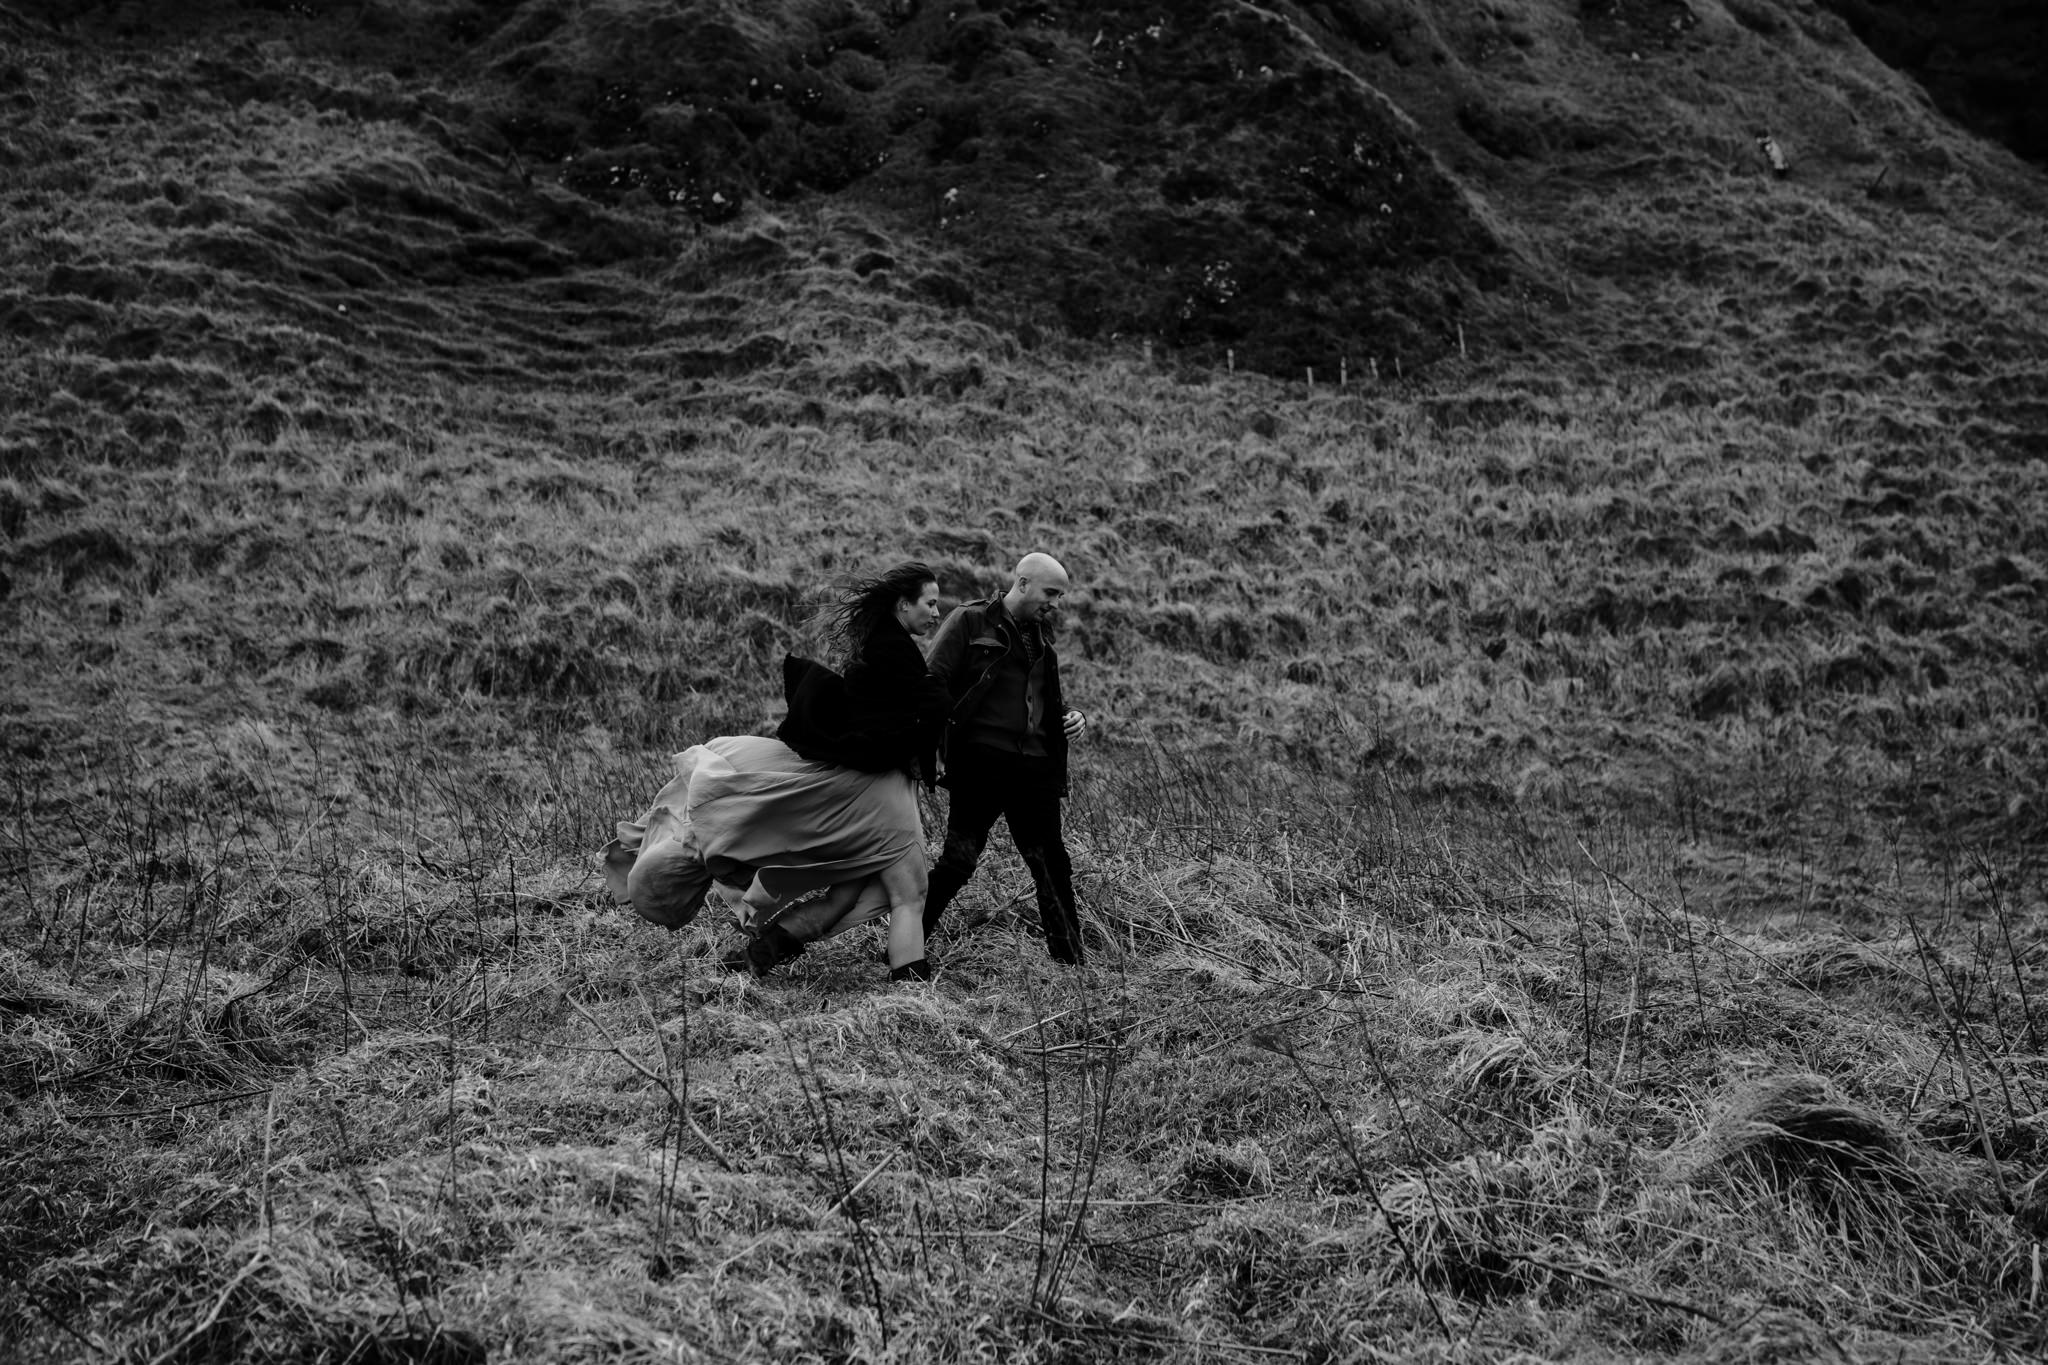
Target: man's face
[1041,598]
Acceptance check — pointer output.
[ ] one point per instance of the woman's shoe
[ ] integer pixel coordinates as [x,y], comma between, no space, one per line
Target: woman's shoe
[764,952]
[920,970]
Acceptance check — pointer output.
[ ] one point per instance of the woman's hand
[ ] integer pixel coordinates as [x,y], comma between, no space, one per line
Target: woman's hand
[1073,723]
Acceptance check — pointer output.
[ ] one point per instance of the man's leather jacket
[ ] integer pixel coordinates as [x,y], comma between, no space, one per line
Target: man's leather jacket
[969,644]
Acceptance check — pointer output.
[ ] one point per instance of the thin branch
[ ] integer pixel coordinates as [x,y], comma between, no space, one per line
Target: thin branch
[717,1155]
[48,1312]
[213,1314]
[1956,1035]
[1226,1347]
[1036,1023]
[168,1108]
[880,1166]
[263,1197]
[1256,973]
[1608,1282]
[1372,1191]
[821,1114]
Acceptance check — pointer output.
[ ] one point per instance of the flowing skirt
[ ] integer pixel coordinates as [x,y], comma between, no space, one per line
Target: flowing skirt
[743,808]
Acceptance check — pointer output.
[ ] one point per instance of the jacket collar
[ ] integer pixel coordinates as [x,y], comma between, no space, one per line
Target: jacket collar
[1004,621]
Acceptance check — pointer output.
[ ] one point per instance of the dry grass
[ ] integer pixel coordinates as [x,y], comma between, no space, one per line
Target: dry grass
[1318,1095]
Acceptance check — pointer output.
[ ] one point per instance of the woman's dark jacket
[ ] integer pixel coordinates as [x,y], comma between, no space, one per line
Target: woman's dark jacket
[885,713]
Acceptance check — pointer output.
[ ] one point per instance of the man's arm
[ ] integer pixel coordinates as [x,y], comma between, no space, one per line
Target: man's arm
[1071,721]
[949,648]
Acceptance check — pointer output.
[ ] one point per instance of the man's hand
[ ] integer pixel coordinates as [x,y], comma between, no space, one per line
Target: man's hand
[1073,723]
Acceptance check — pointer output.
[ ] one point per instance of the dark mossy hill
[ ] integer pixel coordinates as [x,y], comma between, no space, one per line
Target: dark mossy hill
[1373,184]
[1205,176]
[1985,62]
[1299,185]
[1202,174]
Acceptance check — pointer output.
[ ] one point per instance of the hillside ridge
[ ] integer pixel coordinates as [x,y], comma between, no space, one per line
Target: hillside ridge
[1041,148]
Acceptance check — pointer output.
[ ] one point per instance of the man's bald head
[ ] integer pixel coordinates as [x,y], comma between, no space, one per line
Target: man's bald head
[1039,567]
[1037,589]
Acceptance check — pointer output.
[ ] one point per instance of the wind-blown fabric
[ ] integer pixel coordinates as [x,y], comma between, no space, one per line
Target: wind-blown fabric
[747,806]
[886,712]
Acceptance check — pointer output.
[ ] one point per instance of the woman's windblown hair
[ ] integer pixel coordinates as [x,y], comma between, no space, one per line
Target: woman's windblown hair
[867,604]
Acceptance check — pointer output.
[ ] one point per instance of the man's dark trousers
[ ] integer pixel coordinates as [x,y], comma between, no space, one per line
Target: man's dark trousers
[987,783]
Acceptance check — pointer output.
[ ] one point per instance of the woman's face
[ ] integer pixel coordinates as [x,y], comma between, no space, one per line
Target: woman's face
[920,613]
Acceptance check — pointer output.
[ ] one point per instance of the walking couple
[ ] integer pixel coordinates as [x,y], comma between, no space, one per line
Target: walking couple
[827,804]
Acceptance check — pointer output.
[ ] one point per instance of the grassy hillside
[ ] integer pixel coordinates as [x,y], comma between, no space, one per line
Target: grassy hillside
[1561,833]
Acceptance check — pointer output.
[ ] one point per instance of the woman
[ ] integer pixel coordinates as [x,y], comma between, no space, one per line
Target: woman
[827,803]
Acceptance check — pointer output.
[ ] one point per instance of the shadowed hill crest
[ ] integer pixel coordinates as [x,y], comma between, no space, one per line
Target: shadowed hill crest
[1364,184]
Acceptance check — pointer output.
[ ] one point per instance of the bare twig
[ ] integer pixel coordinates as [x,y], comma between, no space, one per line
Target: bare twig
[1255,973]
[62,1325]
[1104,1083]
[1220,1347]
[168,1108]
[387,1242]
[879,1167]
[678,1107]
[1044,1160]
[1036,1023]
[1372,1192]
[1609,1282]
[213,1314]
[718,1155]
[1956,1037]
[1260,1031]
[263,1196]
[863,1239]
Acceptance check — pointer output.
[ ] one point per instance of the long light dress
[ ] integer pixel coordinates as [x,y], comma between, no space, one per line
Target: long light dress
[742,807]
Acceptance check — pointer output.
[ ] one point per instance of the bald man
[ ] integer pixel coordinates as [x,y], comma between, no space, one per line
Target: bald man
[1005,748]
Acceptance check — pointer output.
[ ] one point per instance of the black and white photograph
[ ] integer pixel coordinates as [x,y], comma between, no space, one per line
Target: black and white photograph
[1024,682]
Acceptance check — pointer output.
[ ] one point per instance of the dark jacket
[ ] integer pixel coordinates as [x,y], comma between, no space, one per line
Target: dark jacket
[886,712]
[969,644]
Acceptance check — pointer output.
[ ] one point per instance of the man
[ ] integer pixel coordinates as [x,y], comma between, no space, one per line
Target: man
[1005,744]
